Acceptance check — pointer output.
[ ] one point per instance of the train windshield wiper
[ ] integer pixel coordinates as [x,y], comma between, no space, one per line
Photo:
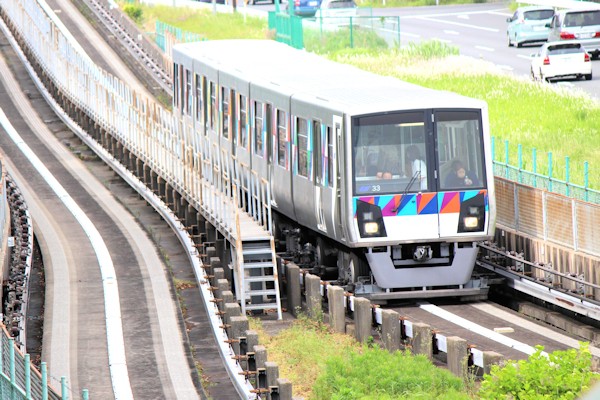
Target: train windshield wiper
[411,182]
[408,186]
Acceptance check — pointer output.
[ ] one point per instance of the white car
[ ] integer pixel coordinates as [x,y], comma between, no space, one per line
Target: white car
[337,11]
[561,59]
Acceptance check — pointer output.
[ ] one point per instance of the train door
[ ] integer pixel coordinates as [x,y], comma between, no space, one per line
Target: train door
[261,129]
[282,195]
[278,158]
[227,99]
[319,153]
[243,128]
[302,177]
[328,201]
[336,173]
[212,132]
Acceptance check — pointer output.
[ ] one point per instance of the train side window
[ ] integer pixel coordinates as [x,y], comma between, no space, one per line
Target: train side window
[282,139]
[213,106]
[226,111]
[318,143]
[328,167]
[199,97]
[258,128]
[188,92]
[180,94]
[243,108]
[302,155]
[175,86]
[184,91]
[269,128]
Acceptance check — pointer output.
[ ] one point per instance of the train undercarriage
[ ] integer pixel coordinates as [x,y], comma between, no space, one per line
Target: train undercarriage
[411,271]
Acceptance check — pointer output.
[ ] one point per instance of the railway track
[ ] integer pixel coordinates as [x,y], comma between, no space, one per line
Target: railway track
[75,325]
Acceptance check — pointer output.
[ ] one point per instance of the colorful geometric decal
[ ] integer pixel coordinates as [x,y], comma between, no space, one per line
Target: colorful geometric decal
[420,204]
[426,203]
[392,205]
[408,205]
[449,202]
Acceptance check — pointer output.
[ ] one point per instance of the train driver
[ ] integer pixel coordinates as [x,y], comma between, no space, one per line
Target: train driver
[459,177]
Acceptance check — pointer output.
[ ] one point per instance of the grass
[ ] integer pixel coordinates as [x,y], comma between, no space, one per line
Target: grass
[205,22]
[325,365]
[288,350]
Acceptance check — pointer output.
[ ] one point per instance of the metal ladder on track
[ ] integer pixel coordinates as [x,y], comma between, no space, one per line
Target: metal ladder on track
[258,282]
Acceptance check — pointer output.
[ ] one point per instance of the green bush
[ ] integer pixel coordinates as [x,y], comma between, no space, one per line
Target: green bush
[560,375]
[375,373]
[134,12]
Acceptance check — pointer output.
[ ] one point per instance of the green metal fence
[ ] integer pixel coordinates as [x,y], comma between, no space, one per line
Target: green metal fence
[361,30]
[20,380]
[167,34]
[546,181]
[287,28]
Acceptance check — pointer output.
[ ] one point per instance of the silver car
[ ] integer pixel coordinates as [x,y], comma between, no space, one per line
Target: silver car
[582,25]
[529,25]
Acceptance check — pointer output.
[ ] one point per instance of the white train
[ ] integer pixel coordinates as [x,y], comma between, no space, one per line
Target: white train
[383,184]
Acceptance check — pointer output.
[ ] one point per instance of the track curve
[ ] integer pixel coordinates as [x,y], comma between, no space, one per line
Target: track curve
[75,343]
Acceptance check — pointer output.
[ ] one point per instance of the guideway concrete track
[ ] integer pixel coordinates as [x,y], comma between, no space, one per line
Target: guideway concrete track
[75,341]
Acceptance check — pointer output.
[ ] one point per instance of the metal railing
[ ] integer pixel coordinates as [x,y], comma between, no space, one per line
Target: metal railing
[357,28]
[19,379]
[549,181]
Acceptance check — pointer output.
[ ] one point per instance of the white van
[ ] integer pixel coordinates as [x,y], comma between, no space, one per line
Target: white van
[582,25]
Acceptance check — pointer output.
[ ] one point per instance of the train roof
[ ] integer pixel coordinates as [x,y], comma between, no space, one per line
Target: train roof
[308,76]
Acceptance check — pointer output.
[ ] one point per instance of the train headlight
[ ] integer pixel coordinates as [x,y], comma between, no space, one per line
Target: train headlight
[371,228]
[471,222]
[370,220]
[472,214]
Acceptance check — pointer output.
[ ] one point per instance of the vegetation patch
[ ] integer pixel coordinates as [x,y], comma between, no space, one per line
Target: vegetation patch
[302,351]
[364,42]
[203,21]
[134,12]
[560,375]
[374,373]
[182,284]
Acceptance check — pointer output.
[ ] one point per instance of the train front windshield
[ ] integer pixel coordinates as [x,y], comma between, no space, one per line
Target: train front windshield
[401,152]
